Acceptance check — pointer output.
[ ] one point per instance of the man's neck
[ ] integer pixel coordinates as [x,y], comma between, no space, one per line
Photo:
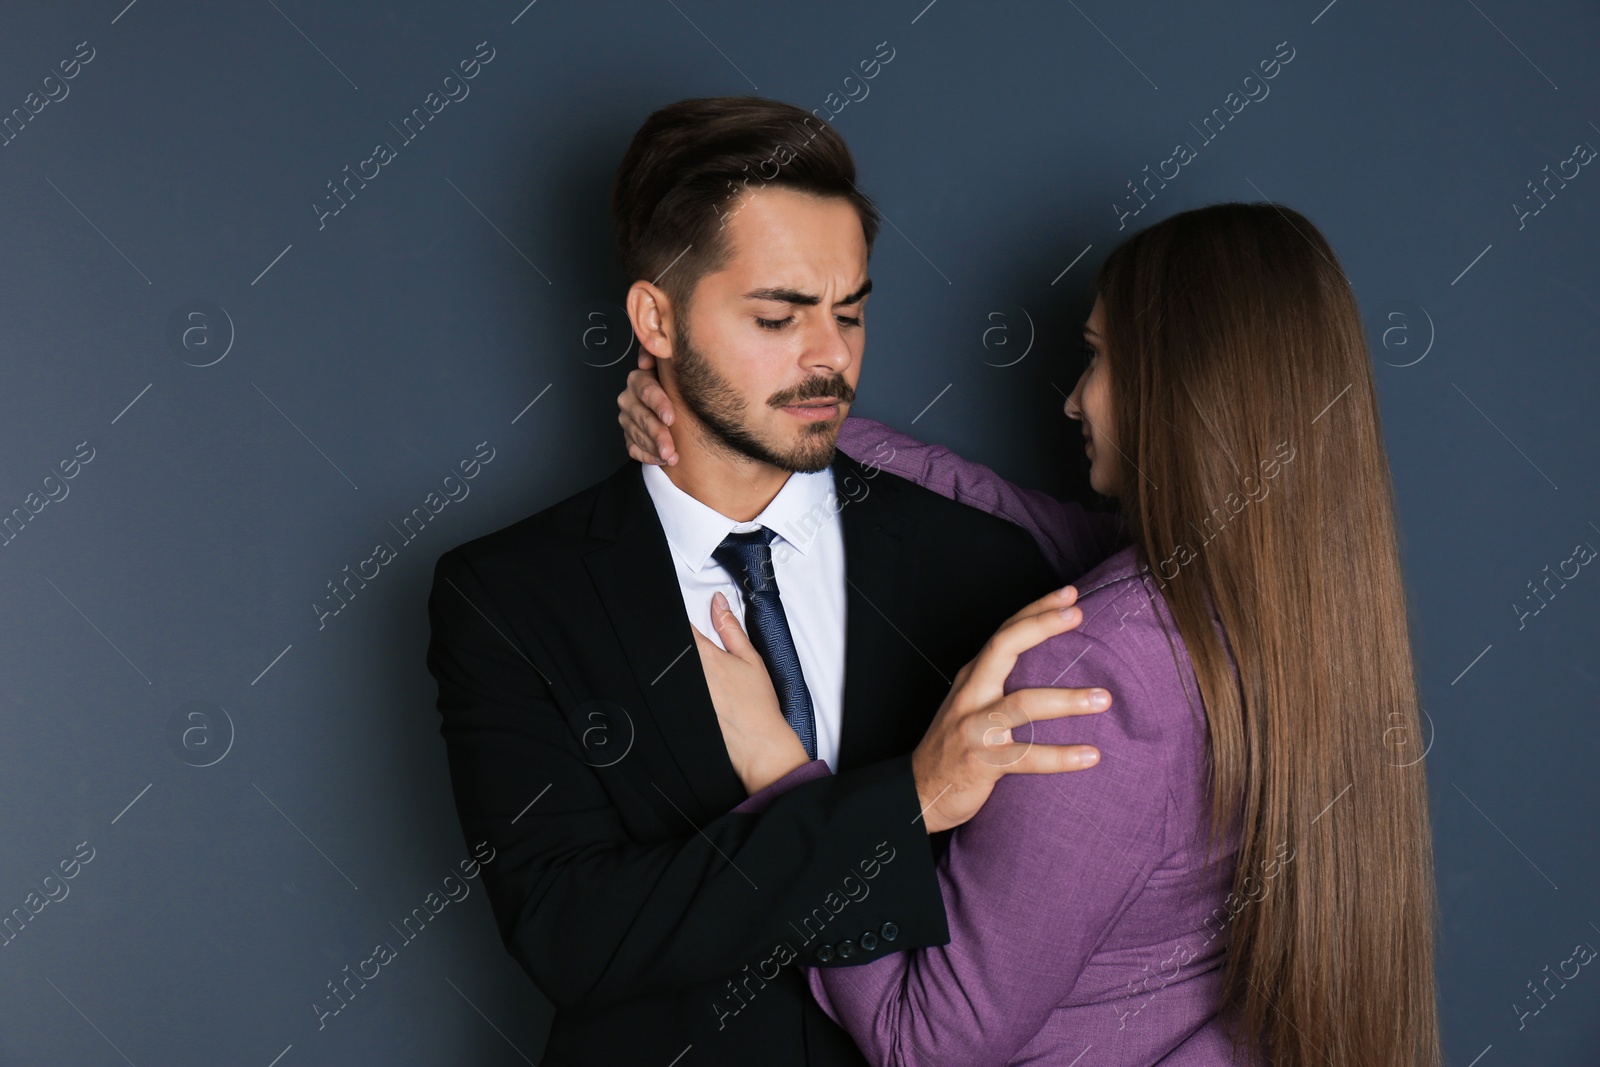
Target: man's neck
[730,484]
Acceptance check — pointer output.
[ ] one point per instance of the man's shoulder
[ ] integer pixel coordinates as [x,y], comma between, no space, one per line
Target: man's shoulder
[559,530]
[943,522]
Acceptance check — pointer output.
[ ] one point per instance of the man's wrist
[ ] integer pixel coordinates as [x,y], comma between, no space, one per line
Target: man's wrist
[928,801]
[927,793]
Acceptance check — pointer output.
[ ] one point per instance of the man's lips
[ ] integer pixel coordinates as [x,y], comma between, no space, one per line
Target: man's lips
[815,410]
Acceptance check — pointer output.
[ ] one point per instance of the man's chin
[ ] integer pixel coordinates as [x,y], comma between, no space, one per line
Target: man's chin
[811,463]
[807,451]
[814,450]
[816,446]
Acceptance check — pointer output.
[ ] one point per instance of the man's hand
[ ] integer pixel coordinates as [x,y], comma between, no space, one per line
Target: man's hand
[645,412]
[968,746]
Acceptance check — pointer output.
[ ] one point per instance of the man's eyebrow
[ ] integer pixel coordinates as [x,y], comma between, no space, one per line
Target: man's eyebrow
[859,295]
[784,296]
[795,296]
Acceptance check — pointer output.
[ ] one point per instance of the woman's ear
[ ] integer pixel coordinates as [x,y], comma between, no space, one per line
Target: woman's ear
[650,312]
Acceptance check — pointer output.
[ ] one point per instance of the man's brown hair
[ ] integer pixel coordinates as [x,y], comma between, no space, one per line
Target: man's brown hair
[678,182]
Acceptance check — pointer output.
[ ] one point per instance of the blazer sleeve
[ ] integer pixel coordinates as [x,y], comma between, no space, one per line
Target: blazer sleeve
[595,915]
[1031,885]
[759,800]
[1071,537]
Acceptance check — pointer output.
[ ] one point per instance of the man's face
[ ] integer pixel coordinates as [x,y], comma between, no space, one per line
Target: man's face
[768,356]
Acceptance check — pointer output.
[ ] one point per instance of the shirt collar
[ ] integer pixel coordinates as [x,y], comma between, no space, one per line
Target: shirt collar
[695,529]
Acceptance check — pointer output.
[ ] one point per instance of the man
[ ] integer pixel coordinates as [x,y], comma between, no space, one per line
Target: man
[660,907]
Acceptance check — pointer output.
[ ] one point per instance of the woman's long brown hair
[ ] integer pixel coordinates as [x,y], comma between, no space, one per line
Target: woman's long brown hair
[1253,480]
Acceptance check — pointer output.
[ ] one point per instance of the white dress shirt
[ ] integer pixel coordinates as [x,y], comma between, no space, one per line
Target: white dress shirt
[807,561]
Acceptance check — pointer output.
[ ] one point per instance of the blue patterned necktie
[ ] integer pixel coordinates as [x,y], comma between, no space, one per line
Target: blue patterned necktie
[748,558]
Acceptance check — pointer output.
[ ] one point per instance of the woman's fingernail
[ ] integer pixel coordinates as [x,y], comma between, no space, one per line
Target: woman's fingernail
[1072,615]
[1099,698]
[1088,759]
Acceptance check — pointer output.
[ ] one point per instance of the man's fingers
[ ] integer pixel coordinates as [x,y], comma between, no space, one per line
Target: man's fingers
[1031,705]
[1048,621]
[1024,758]
[1064,597]
[1000,721]
[1000,653]
[996,740]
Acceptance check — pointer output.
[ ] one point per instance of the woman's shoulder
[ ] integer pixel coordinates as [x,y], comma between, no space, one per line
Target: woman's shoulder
[1123,610]
[1128,644]
[1114,576]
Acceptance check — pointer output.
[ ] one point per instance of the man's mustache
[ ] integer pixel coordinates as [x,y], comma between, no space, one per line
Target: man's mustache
[815,389]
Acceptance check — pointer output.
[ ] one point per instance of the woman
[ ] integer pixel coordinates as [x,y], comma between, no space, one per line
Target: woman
[1263,889]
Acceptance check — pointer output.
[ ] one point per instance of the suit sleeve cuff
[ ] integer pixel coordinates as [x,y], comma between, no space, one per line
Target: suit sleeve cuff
[759,800]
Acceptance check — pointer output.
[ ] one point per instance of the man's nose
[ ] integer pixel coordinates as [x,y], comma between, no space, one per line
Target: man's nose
[829,348]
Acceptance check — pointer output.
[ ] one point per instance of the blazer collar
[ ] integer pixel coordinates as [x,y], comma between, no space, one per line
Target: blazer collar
[633,573]
[694,529]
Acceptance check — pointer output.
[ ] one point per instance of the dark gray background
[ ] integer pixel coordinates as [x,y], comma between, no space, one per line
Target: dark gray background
[475,275]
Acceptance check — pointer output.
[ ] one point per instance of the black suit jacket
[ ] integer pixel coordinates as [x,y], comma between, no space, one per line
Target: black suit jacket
[584,747]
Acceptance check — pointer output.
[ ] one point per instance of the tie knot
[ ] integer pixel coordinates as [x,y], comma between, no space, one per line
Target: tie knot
[748,557]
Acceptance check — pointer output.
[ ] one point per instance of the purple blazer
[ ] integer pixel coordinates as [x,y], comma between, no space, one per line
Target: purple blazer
[1085,926]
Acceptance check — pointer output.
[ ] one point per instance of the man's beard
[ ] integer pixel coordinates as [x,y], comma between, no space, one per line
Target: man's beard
[721,410]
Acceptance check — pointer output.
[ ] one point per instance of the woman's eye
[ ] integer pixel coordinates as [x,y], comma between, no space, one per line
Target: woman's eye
[774,324]
[1088,352]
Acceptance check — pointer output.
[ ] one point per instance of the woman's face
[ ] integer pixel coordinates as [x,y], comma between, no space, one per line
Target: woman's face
[1090,404]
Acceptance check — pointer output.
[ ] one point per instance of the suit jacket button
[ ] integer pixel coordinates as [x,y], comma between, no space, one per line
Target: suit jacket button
[824,953]
[889,931]
[846,948]
[868,940]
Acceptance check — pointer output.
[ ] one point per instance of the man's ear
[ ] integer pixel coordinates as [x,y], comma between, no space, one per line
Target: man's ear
[650,312]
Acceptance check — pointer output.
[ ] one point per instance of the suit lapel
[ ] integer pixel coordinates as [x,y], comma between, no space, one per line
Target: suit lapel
[636,580]
[880,591]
